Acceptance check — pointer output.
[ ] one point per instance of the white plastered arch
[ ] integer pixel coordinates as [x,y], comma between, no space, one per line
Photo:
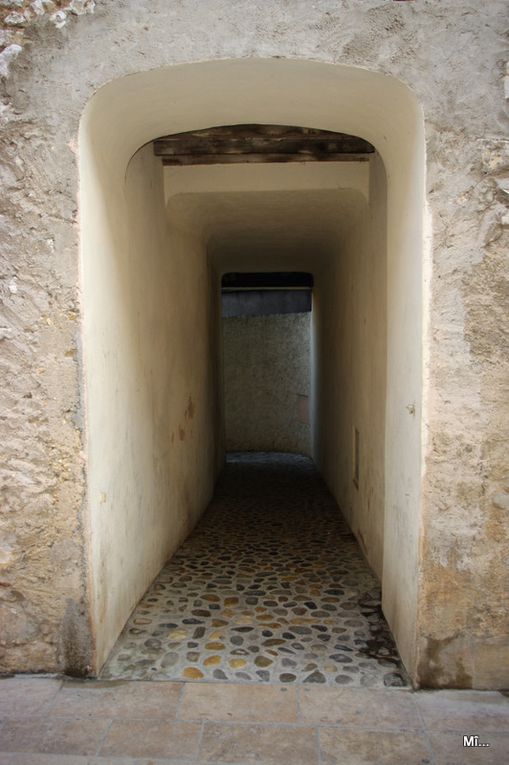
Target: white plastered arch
[119,119]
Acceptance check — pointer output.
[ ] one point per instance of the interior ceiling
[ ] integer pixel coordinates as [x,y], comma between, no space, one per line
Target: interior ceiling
[269,225]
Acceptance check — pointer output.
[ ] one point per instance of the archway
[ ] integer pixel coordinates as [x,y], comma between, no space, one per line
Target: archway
[146,277]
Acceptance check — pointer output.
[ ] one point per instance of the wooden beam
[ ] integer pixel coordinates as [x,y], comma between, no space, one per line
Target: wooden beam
[230,159]
[260,143]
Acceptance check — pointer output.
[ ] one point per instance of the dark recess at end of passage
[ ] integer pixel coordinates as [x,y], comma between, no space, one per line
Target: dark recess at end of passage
[285,280]
[266,293]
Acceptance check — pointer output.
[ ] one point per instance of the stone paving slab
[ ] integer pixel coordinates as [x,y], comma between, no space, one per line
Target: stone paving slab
[359,708]
[13,758]
[143,723]
[116,699]
[26,695]
[360,747]
[463,710]
[241,703]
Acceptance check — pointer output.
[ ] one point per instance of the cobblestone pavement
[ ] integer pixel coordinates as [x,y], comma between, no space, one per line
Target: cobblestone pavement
[270,587]
[55,722]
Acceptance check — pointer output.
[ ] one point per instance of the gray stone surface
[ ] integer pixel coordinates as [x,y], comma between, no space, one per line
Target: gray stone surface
[267,379]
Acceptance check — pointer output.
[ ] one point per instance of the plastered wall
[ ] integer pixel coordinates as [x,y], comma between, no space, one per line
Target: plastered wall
[353,67]
[150,385]
[267,383]
[350,370]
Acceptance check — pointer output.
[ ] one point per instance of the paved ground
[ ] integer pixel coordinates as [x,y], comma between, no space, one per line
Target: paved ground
[270,592]
[55,722]
[270,587]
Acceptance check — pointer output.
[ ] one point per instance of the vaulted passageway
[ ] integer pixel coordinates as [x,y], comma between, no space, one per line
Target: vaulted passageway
[270,587]
[157,239]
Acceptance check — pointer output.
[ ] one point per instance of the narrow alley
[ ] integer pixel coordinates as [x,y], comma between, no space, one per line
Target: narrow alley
[270,587]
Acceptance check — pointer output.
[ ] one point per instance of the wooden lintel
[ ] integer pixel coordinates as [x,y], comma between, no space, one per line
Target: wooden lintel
[231,159]
[260,143]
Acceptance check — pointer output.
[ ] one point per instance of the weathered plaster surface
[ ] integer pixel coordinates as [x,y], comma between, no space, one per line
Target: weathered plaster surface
[452,54]
[148,333]
[266,383]
[350,329]
[464,577]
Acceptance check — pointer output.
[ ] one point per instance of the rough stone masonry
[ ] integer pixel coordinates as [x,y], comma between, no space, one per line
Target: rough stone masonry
[452,54]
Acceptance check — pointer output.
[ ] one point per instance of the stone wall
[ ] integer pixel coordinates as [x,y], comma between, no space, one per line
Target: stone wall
[266,383]
[451,54]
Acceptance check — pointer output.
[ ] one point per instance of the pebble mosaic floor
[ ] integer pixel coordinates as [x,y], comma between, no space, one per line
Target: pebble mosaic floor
[270,587]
